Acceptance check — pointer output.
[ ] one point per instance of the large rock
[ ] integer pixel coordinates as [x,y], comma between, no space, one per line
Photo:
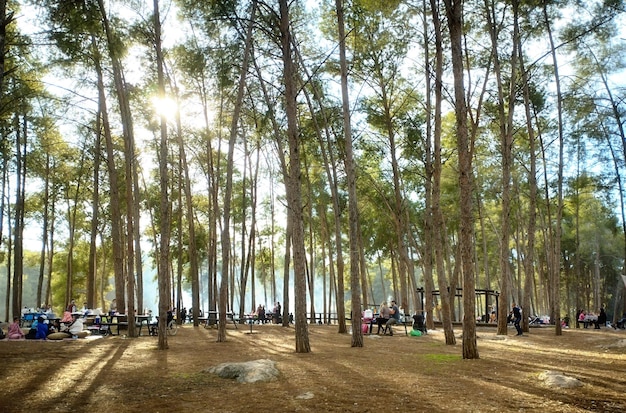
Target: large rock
[247,372]
[559,380]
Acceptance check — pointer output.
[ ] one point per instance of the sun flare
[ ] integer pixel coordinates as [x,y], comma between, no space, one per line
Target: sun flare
[164,106]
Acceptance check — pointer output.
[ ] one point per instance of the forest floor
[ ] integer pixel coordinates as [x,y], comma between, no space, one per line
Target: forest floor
[399,373]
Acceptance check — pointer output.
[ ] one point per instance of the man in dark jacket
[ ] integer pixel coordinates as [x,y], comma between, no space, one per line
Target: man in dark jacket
[517,317]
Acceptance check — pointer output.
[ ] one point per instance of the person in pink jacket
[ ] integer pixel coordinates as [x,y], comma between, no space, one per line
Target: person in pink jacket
[15,332]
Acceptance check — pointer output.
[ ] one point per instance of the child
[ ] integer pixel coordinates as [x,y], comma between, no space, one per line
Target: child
[15,332]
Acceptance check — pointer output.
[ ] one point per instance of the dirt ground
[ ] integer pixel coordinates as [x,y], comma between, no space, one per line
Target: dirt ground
[399,373]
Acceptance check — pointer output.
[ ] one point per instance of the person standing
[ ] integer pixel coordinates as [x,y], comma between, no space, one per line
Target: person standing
[601,319]
[260,314]
[277,312]
[517,317]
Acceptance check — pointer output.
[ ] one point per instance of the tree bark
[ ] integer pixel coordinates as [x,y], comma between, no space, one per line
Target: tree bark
[294,181]
[116,213]
[223,290]
[556,251]
[454,11]
[163,270]
[439,237]
[357,334]
[18,220]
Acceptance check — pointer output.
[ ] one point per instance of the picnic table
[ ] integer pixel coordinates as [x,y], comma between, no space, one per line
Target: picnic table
[213,318]
[110,324]
[29,318]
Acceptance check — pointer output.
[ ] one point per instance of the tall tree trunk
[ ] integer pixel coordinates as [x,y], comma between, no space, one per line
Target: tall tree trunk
[454,11]
[506,146]
[429,232]
[178,276]
[439,239]
[280,151]
[529,258]
[221,335]
[44,235]
[12,288]
[294,182]
[311,242]
[556,252]
[243,274]
[137,236]
[72,211]
[3,207]
[355,286]
[129,163]
[191,226]
[18,251]
[117,236]
[251,256]
[51,250]
[95,208]
[163,270]
[127,306]
[116,213]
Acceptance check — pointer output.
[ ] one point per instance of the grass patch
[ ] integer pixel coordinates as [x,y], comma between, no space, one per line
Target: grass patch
[441,358]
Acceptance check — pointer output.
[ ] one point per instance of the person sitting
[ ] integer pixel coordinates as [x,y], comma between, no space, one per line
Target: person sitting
[492,317]
[621,323]
[76,327]
[154,327]
[85,309]
[383,316]
[42,329]
[15,331]
[581,318]
[590,319]
[394,317]
[418,323]
[32,332]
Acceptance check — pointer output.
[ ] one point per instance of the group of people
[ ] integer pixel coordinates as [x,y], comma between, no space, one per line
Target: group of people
[40,329]
[388,315]
[590,318]
[260,314]
[582,317]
